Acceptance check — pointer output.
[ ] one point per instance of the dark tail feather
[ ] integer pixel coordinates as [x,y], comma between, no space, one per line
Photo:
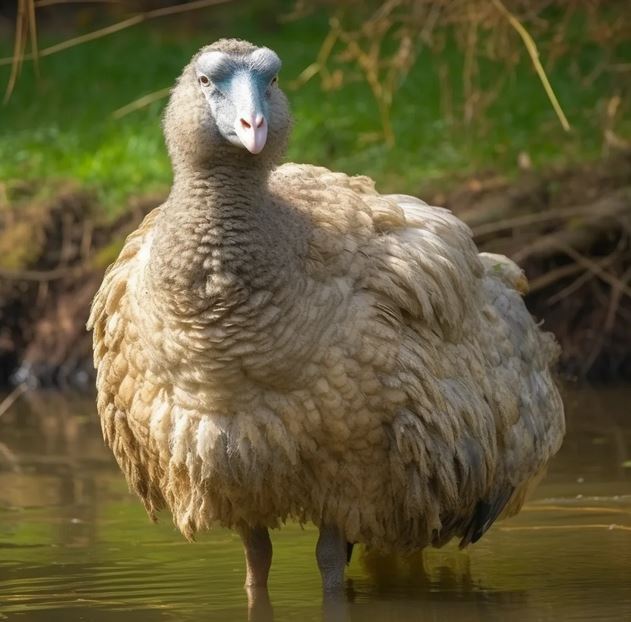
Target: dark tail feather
[485,514]
[349,552]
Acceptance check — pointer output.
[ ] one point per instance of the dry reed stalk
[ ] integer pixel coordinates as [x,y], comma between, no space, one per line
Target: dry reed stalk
[10,399]
[398,30]
[21,35]
[608,527]
[533,52]
[141,102]
[26,27]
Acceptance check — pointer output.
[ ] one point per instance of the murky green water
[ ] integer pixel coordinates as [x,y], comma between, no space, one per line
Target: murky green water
[74,545]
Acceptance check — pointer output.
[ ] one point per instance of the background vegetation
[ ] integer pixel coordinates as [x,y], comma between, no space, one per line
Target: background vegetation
[404,90]
[513,113]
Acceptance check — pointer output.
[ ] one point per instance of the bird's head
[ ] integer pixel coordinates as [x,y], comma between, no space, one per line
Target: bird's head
[227,103]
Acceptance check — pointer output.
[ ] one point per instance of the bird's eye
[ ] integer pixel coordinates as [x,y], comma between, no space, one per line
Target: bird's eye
[203,80]
[274,81]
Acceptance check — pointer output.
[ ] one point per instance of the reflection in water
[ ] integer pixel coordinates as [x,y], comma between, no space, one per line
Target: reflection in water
[74,545]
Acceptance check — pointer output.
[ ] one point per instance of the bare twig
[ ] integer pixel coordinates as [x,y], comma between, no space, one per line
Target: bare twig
[614,302]
[611,527]
[32,27]
[9,457]
[21,33]
[10,399]
[117,27]
[43,3]
[581,280]
[553,276]
[531,219]
[536,507]
[574,286]
[43,275]
[141,102]
[596,269]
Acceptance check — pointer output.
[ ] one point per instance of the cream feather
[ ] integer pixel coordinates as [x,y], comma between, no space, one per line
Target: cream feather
[295,345]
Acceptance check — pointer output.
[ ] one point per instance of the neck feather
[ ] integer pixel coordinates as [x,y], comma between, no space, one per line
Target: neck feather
[221,237]
[222,181]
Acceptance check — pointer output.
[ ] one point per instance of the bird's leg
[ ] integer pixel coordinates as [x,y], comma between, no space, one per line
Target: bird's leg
[259,605]
[258,555]
[331,555]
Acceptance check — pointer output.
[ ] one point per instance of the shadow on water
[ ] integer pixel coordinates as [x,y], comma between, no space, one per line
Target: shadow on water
[74,545]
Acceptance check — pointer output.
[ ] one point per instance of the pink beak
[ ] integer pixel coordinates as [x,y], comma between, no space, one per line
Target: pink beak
[252,131]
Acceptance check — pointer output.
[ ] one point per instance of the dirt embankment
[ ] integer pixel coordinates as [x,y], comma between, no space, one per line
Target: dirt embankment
[570,229]
[53,252]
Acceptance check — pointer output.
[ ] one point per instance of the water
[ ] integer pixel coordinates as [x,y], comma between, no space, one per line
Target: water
[74,545]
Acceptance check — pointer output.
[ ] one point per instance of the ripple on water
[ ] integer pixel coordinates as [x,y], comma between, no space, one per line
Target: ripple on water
[74,545]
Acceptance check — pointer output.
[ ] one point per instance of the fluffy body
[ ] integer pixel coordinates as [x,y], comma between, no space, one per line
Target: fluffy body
[313,350]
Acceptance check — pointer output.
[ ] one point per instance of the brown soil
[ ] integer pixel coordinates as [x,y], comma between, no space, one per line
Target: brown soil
[570,229]
[53,253]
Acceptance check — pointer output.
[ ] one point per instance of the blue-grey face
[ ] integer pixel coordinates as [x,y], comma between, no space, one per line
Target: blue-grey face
[238,90]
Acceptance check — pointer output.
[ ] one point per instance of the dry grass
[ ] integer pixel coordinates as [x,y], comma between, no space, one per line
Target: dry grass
[26,30]
[384,39]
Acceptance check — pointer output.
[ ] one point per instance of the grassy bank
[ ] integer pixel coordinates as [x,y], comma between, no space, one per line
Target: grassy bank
[74,180]
[61,126]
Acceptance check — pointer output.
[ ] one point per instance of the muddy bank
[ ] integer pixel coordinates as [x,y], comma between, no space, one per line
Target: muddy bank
[570,229]
[53,252]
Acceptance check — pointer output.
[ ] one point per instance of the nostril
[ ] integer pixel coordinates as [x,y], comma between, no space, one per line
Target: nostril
[245,124]
[260,120]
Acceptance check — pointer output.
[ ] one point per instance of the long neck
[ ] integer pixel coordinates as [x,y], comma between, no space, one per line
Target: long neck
[230,183]
[221,237]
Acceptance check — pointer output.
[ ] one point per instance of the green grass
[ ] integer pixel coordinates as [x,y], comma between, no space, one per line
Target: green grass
[61,126]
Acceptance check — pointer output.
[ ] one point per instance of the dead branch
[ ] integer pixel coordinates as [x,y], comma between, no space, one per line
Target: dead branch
[10,399]
[44,275]
[113,28]
[141,102]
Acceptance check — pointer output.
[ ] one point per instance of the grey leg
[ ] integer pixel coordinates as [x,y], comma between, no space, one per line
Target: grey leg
[258,555]
[331,556]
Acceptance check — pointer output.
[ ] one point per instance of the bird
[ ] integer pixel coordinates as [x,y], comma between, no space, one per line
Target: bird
[280,342]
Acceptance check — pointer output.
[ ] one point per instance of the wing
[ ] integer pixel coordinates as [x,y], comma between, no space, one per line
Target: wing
[421,258]
[447,326]
[125,394]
